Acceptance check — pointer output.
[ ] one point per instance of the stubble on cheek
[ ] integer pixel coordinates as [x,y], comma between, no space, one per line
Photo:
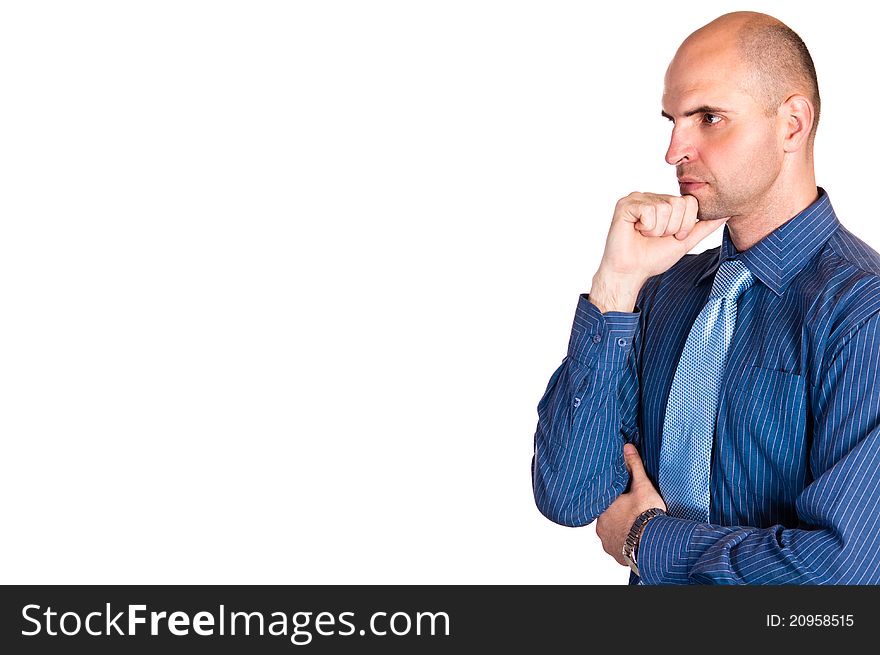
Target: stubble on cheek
[709,206]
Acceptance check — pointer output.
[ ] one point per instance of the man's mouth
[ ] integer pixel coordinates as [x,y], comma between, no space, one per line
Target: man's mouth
[689,184]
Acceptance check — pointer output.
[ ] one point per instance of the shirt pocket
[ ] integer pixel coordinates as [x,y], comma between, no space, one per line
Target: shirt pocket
[775,387]
[771,401]
[763,445]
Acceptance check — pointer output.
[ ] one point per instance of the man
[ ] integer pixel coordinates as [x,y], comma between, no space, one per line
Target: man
[737,389]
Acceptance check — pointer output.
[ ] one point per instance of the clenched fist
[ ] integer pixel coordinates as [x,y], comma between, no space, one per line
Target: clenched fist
[649,233]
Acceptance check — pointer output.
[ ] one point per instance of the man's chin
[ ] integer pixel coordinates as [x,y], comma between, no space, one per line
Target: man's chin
[705,212]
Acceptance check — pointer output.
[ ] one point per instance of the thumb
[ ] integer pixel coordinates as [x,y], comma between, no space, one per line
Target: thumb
[702,229]
[634,462]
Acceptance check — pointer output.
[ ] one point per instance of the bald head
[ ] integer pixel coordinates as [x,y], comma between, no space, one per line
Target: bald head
[775,62]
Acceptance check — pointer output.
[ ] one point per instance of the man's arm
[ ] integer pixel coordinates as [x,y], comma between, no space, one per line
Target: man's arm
[839,512]
[587,412]
[590,406]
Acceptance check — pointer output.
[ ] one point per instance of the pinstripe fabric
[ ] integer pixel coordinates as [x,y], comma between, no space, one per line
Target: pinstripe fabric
[795,480]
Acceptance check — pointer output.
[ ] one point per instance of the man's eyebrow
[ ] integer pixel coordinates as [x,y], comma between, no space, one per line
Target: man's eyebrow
[705,109]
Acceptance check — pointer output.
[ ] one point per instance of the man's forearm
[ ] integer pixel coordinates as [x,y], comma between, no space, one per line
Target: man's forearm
[583,419]
[679,551]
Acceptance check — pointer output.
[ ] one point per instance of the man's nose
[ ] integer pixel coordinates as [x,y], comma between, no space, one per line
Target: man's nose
[680,147]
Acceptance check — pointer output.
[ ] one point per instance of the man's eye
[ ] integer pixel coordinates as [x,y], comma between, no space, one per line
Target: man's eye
[711,119]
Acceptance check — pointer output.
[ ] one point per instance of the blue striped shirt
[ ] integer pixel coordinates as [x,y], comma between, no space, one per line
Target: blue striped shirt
[795,482]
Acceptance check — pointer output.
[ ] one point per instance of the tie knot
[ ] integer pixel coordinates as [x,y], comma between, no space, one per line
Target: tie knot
[731,279]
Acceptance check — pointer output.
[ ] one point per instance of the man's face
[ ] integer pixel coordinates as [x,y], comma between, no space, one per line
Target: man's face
[725,149]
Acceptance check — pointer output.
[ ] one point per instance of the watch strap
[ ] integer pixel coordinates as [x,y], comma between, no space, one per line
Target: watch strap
[631,543]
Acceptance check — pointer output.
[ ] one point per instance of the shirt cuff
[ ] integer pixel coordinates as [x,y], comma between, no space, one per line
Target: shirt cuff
[602,339]
[664,550]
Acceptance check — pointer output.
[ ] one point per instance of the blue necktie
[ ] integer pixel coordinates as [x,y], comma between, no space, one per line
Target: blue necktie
[692,407]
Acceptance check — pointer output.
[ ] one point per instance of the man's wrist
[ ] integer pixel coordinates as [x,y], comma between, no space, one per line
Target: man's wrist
[631,543]
[614,293]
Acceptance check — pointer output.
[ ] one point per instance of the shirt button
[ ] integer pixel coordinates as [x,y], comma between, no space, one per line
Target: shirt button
[597,338]
[577,402]
[621,342]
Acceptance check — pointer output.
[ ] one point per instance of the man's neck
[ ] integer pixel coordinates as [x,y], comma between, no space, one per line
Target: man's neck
[748,229]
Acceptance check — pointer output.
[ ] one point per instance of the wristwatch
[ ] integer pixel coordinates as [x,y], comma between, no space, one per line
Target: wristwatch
[631,545]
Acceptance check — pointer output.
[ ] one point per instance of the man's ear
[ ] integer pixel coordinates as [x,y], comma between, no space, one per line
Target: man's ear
[797,120]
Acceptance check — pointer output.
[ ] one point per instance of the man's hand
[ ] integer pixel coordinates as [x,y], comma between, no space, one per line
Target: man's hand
[614,523]
[649,233]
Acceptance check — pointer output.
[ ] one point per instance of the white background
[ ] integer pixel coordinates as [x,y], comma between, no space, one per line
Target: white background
[281,283]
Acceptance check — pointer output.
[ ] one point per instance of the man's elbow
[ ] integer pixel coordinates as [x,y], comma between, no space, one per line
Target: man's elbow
[571,510]
[577,507]
[563,513]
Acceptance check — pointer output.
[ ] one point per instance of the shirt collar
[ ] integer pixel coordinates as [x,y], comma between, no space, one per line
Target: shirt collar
[778,257]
